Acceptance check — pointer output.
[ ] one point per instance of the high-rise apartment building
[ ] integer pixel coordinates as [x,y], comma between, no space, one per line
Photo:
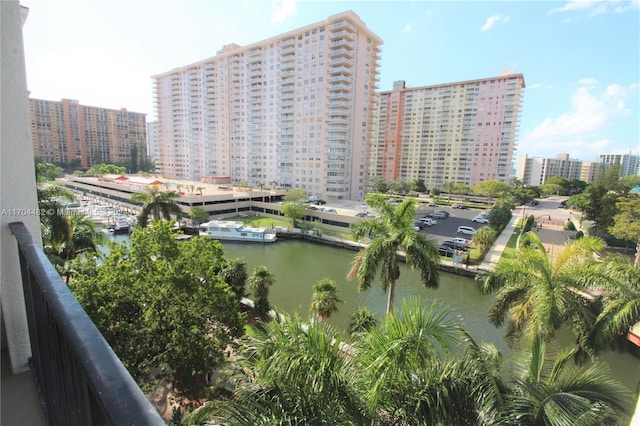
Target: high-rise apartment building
[534,171]
[65,132]
[629,163]
[455,132]
[294,110]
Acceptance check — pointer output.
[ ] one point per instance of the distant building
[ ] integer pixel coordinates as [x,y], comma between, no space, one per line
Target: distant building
[454,132]
[292,111]
[629,164]
[534,171]
[152,142]
[66,132]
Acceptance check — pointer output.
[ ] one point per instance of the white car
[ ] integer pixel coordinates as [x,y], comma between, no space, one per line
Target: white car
[466,230]
[480,219]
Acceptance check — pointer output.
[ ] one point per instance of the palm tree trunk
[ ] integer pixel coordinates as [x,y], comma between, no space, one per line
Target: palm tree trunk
[390,296]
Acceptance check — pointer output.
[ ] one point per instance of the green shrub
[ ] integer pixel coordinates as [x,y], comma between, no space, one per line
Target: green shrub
[569,226]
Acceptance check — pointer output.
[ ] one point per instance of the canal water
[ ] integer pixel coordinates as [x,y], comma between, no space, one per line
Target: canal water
[297,265]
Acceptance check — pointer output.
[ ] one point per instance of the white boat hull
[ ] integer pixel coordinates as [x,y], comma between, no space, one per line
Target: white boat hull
[235,231]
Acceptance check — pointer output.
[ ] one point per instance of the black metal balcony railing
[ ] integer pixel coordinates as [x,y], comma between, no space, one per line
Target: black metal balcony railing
[80,379]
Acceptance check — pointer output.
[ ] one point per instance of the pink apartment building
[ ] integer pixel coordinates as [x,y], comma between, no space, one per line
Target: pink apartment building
[292,111]
[462,132]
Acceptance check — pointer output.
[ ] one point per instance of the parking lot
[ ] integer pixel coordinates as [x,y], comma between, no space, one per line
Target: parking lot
[446,228]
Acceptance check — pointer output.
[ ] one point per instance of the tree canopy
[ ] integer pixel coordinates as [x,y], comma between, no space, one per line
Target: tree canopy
[162,306]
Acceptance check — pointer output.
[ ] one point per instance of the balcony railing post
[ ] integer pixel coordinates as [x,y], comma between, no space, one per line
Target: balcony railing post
[82,381]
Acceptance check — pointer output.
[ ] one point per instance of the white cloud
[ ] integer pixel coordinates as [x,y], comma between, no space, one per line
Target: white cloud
[597,7]
[282,9]
[407,28]
[590,114]
[581,130]
[492,20]
[587,81]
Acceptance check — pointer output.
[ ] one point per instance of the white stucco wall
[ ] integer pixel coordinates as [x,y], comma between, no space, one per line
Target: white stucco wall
[17,179]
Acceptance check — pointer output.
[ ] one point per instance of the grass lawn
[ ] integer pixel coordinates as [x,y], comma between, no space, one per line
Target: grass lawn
[509,252]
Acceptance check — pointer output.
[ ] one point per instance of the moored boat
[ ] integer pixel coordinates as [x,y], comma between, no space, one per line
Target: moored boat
[235,231]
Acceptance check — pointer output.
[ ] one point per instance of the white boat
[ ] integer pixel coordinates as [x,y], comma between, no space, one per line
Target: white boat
[227,230]
[120,225]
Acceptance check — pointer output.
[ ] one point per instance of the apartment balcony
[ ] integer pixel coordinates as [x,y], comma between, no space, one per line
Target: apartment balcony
[341,52]
[343,25]
[75,378]
[340,78]
[341,70]
[342,43]
[291,41]
[341,60]
[342,34]
[339,95]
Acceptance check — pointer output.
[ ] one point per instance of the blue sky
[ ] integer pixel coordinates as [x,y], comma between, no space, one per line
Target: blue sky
[580,59]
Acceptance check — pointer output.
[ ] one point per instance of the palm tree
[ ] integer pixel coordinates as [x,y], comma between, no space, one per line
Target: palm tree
[65,243]
[484,237]
[362,320]
[157,204]
[234,273]
[392,232]
[259,283]
[618,277]
[560,393]
[535,292]
[324,300]
[290,373]
[421,368]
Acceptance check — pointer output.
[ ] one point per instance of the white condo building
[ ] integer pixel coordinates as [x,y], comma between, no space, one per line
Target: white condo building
[629,163]
[292,111]
[534,171]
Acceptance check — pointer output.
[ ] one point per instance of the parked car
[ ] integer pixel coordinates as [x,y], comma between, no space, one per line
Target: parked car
[460,240]
[466,230]
[428,221]
[361,214]
[455,245]
[439,215]
[312,208]
[432,204]
[446,251]
[455,206]
[480,219]
[320,202]
[330,211]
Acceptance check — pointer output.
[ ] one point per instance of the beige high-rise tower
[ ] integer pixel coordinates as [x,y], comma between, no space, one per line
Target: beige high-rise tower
[292,111]
[462,132]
